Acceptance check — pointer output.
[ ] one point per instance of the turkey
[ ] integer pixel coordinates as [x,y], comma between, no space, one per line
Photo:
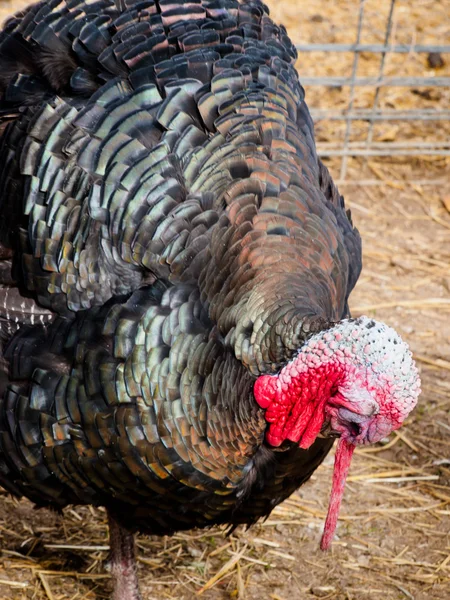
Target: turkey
[175,267]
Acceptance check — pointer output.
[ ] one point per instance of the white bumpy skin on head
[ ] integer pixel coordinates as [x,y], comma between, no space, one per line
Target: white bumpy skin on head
[357,381]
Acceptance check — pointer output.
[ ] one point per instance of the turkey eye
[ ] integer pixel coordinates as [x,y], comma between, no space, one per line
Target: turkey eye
[354,428]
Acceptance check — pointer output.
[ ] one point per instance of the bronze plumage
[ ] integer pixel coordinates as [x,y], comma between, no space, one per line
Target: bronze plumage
[168,234]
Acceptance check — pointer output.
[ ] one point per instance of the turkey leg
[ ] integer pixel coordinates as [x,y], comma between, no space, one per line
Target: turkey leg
[123,562]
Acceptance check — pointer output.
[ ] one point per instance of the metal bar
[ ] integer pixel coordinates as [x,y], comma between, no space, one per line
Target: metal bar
[366,115]
[375,113]
[373,81]
[410,144]
[352,90]
[373,182]
[384,149]
[375,48]
[380,72]
[383,152]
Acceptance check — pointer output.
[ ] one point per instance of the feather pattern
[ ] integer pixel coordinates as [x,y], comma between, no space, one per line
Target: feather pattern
[168,234]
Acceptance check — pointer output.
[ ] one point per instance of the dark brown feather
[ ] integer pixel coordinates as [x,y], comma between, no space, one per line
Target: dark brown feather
[168,234]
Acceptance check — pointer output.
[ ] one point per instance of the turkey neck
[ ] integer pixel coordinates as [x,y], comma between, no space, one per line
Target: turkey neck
[276,266]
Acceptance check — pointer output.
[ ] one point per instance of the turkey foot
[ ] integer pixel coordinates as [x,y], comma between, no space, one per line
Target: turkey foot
[122,562]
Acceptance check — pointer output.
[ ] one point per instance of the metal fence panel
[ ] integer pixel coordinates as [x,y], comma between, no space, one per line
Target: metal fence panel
[374,114]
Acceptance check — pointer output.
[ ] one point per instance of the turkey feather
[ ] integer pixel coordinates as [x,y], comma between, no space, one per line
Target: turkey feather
[170,245]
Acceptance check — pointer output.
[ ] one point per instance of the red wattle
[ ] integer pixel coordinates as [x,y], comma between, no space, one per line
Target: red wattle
[264,390]
[342,460]
[294,401]
[301,423]
[314,426]
[274,439]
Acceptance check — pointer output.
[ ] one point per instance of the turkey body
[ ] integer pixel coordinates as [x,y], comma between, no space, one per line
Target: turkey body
[168,234]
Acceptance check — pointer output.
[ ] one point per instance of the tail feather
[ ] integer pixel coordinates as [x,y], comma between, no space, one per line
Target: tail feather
[17,311]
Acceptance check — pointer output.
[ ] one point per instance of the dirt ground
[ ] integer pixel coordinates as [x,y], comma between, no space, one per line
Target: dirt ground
[393,537]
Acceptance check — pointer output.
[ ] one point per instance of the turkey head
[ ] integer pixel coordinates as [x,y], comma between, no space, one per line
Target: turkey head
[356,381]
